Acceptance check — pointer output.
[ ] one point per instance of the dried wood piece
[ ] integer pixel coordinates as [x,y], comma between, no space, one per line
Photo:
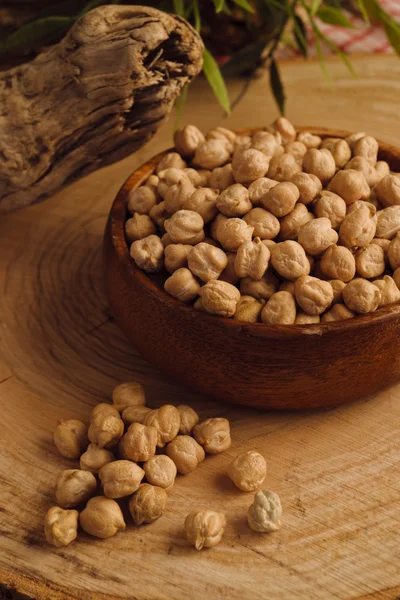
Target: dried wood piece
[92,99]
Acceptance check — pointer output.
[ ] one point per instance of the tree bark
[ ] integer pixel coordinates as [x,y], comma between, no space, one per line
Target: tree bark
[92,99]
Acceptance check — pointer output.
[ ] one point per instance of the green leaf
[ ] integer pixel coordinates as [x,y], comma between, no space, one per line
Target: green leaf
[277,87]
[244,60]
[245,5]
[219,5]
[300,35]
[322,62]
[196,15]
[363,9]
[333,16]
[372,8]
[216,81]
[315,6]
[392,31]
[179,7]
[179,106]
[36,32]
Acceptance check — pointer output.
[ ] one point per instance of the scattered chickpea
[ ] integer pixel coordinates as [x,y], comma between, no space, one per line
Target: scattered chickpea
[289,260]
[317,235]
[167,421]
[70,438]
[308,185]
[350,185]
[249,309]
[176,256]
[388,222]
[294,221]
[187,140]
[102,518]
[388,190]
[390,293]
[204,202]
[142,199]
[139,442]
[361,296]
[120,478]
[252,259]
[135,414]
[248,470]
[213,435]
[73,487]
[261,289]
[303,318]
[189,418]
[283,168]
[161,471]
[313,295]
[94,458]
[258,189]
[182,285]
[338,262]
[249,165]
[207,262]
[148,254]
[265,514]
[185,227]
[205,528]
[186,453]
[280,309]
[338,312]
[265,224]
[172,160]
[106,426]
[370,261]
[61,526]
[331,206]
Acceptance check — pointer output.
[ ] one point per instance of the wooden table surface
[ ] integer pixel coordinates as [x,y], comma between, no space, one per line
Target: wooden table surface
[337,471]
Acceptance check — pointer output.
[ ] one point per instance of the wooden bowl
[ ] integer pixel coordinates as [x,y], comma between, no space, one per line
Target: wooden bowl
[271,367]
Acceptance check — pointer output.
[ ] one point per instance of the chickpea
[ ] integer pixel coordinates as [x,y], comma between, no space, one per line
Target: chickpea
[204,202]
[139,227]
[269,244]
[94,458]
[166,240]
[281,199]
[258,189]
[339,149]
[279,310]
[249,309]
[167,421]
[396,277]
[73,487]
[252,259]
[261,289]
[148,254]
[198,177]
[177,195]
[265,224]
[309,139]
[350,185]
[187,140]
[338,312]
[249,165]
[159,215]
[120,478]
[338,262]
[388,190]
[219,298]
[233,232]
[182,285]
[186,453]
[388,289]
[207,262]
[359,163]
[308,185]
[317,235]
[265,513]
[303,318]
[248,470]
[294,221]
[61,526]
[285,128]
[139,442]
[313,295]
[172,160]
[242,142]
[213,435]
[330,206]
[189,418]
[388,222]
[102,518]
[211,154]
[320,163]
[234,201]
[289,260]
[70,438]
[142,199]
[265,142]
[161,472]
[282,168]
[221,177]
[229,273]
[185,227]
[296,149]
[358,228]
[352,139]
[383,243]
[394,253]
[152,180]
[106,426]
[216,226]
[226,136]
[370,261]
[205,528]
[367,147]
[176,256]
[338,287]
[170,177]
[382,168]
[135,414]
[361,296]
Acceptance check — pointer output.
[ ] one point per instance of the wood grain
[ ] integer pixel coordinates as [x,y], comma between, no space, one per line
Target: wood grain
[337,471]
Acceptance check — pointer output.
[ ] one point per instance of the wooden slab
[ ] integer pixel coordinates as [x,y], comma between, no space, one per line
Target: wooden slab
[337,471]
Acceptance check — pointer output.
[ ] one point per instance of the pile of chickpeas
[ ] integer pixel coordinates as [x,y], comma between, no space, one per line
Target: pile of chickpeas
[281,227]
[126,443]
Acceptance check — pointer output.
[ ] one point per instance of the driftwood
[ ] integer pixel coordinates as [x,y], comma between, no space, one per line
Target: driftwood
[92,99]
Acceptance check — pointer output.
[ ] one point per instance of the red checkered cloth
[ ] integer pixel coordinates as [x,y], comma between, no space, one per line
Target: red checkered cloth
[364,38]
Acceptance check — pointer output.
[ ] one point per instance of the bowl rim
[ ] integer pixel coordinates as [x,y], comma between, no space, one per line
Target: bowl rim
[117,218]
